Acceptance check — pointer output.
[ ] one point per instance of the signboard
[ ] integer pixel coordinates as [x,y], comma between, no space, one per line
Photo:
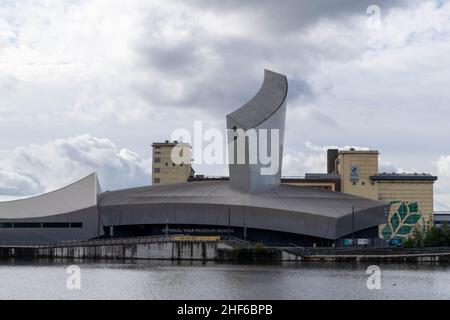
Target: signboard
[348,242]
[354,173]
[363,242]
[395,242]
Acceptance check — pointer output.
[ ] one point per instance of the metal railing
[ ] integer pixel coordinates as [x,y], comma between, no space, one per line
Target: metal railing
[111,241]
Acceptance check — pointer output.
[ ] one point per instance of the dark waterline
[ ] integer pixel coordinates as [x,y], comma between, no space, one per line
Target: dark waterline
[44,279]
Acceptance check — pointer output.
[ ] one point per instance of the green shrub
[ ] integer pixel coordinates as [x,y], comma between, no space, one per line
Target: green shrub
[260,248]
[431,237]
[409,242]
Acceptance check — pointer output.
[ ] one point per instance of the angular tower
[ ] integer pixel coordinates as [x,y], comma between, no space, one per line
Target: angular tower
[262,120]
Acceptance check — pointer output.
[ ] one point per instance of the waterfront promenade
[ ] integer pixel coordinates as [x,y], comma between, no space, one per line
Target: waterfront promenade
[180,247]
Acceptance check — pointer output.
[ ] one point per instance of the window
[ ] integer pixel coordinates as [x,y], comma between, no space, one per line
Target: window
[173,164]
[167,164]
[156,180]
[41,225]
[76,225]
[55,225]
[157,152]
[6,225]
[27,225]
[157,170]
[363,183]
[157,160]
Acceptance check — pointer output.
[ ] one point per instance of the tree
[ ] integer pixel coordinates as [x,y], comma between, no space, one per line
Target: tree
[430,237]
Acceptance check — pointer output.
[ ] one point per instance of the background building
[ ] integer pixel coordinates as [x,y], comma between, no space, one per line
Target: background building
[356,172]
[164,170]
[411,199]
[441,217]
[410,195]
[355,169]
[325,181]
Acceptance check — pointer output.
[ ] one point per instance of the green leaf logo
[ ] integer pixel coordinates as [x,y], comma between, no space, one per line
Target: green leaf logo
[402,222]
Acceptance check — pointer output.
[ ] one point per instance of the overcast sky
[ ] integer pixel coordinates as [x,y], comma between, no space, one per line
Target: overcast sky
[89,85]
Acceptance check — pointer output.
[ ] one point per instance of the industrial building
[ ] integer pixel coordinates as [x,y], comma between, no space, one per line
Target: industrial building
[164,170]
[248,205]
[356,172]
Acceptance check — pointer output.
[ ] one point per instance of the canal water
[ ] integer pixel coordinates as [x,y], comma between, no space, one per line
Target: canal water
[195,280]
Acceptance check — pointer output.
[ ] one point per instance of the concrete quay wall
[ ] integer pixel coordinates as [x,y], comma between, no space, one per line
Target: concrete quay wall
[168,250]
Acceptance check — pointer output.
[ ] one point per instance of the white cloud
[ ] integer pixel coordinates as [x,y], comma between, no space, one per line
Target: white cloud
[299,163]
[443,165]
[442,189]
[37,169]
[313,147]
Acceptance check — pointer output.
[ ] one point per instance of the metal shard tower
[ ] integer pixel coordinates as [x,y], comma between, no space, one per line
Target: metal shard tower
[262,121]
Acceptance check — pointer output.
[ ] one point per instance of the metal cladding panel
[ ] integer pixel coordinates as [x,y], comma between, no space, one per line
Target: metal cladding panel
[204,214]
[364,219]
[284,197]
[286,208]
[79,195]
[264,104]
[266,110]
[163,213]
[88,217]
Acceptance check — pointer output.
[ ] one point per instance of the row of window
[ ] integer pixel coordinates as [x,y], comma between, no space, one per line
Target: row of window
[363,183]
[158,160]
[159,152]
[15,225]
[158,170]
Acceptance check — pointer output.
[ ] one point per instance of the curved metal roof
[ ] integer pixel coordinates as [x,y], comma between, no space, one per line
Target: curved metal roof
[265,103]
[285,208]
[284,197]
[73,197]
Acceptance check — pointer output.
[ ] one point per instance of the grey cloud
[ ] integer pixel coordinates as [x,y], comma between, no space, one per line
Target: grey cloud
[301,88]
[291,15]
[224,84]
[36,169]
[321,118]
[17,184]
[175,60]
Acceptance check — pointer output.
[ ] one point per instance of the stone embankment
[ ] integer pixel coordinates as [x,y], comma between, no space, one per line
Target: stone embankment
[211,248]
[170,247]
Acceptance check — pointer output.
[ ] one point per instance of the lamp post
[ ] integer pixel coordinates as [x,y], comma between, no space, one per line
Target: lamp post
[229,221]
[386,214]
[245,227]
[353,233]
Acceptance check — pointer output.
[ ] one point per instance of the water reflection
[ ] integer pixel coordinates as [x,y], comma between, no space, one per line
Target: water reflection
[45,279]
